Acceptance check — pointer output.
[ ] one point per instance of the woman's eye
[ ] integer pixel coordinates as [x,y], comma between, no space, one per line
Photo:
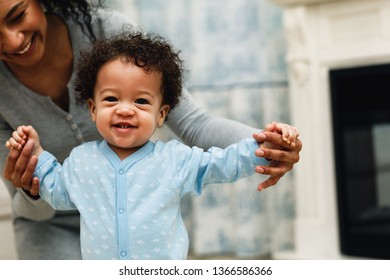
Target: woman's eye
[142,101]
[19,17]
[110,99]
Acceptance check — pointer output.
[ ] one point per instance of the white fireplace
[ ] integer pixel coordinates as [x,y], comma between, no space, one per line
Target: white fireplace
[323,35]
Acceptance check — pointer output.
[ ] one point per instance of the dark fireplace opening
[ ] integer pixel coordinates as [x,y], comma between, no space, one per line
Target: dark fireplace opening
[361,135]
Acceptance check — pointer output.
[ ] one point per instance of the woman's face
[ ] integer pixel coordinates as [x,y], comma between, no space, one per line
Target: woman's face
[23,29]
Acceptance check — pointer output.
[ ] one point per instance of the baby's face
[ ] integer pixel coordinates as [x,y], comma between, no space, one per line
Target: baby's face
[127,105]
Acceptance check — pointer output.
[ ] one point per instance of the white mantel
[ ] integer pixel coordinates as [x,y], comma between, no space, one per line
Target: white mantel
[324,35]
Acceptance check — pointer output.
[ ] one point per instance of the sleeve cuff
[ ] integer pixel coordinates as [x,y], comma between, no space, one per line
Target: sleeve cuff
[253,146]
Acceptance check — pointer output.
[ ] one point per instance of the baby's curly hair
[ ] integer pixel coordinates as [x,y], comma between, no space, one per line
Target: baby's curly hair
[148,51]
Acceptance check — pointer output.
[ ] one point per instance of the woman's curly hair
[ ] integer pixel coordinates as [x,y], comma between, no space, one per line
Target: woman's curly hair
[148,51]
[79,10]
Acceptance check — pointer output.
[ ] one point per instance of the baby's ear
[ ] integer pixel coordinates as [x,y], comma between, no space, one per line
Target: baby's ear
[92,108]
[163,114]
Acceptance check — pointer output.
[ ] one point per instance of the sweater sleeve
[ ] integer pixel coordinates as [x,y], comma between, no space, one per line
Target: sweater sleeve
[196,127]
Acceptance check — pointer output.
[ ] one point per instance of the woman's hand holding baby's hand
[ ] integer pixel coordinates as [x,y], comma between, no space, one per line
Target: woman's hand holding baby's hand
[278,143]
[22,160]
[18,139]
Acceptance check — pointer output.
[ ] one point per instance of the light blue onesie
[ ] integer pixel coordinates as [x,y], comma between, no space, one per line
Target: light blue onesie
[130,209]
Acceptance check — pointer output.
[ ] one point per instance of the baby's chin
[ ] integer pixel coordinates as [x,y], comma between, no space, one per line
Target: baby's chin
[123,151]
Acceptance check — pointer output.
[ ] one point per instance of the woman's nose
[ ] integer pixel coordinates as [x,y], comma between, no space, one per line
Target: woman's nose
[11,40]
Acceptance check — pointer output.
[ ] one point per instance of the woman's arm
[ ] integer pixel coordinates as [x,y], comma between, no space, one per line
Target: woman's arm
[196,127]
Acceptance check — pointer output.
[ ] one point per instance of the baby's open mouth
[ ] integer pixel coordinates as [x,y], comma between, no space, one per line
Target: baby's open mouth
[124,125]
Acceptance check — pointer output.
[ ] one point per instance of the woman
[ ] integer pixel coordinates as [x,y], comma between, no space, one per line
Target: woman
[39,42]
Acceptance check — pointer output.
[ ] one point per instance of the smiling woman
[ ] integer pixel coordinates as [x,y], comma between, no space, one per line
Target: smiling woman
[23,37]
[31,42]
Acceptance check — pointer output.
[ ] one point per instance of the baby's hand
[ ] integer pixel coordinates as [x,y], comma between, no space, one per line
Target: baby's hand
[289,133]
[18,139]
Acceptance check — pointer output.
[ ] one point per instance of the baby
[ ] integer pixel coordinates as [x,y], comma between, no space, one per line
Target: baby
[127,188]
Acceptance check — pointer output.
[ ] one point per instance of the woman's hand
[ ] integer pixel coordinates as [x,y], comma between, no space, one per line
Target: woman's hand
[20,166]
[282,154]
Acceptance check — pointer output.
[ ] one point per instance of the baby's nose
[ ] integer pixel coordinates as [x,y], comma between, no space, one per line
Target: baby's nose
[126,110]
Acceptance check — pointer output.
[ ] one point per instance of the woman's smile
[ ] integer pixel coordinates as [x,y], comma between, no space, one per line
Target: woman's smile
[26,48]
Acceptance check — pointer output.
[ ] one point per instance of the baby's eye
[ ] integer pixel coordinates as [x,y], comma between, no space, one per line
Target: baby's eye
[110,99]
[142,101]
